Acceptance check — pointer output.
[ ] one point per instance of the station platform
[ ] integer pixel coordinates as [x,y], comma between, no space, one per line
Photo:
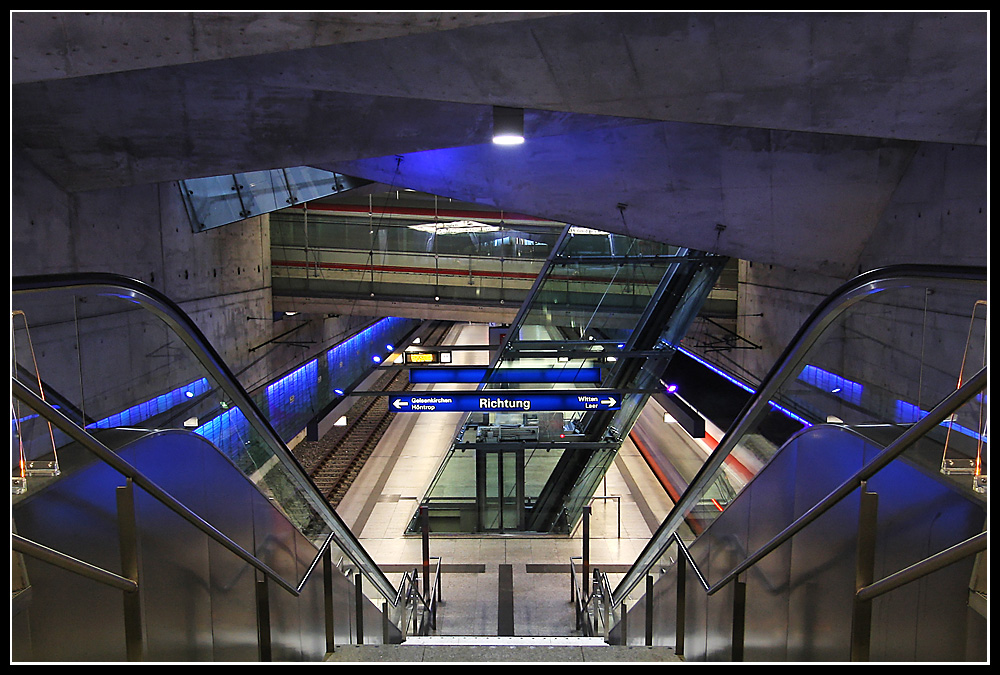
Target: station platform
[627,508]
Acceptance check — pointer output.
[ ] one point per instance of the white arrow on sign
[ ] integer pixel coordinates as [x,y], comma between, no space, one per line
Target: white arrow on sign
[608,401]
[399,403]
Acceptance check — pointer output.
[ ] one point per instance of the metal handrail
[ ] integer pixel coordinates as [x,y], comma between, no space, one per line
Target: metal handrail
[601,599]
[686,552]
[411,599]
[209,358]
[891,582]
[315,562]
[599,583]
[69,563]
[829,309]
[940,560]
[576,592]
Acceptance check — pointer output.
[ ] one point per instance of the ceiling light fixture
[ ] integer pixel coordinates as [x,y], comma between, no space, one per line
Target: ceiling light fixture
[508,125]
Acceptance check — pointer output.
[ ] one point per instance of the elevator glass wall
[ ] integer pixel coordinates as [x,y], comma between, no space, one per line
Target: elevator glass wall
[605,302]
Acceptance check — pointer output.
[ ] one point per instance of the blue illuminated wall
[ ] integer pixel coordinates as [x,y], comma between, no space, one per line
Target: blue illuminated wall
[230,431]
[142,412]
[832,383]
[288,403]
[293,400]
[908,413]
[293,396]
[352,359]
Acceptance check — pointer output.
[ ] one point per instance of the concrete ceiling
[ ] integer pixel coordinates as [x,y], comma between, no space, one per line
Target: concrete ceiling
[773,137]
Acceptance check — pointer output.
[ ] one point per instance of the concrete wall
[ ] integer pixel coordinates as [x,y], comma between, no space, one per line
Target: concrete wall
[937,215]
[221,277]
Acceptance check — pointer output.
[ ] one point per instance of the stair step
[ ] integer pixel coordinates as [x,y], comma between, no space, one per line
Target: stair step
[547,641]
[439,649]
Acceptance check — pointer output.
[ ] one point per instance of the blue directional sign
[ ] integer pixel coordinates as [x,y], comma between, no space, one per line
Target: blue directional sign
[438,374]
[506,401]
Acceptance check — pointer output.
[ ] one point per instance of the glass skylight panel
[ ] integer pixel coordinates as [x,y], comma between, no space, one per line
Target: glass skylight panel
[456,227]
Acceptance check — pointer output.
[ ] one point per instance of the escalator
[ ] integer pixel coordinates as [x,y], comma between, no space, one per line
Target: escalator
[863,535]
[174,524]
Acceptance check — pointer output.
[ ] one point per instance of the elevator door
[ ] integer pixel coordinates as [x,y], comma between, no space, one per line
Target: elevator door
[500,489]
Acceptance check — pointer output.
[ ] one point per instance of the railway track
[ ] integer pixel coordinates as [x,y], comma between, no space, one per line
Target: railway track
[334,462]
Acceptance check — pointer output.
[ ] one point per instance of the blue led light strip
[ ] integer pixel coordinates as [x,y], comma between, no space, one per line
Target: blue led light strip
[907,413]
[743,386]
[439,374]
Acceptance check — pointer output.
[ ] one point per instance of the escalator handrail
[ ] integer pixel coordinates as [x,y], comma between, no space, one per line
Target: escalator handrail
[106,455]
[175,317]
[918,430]
[849,293]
